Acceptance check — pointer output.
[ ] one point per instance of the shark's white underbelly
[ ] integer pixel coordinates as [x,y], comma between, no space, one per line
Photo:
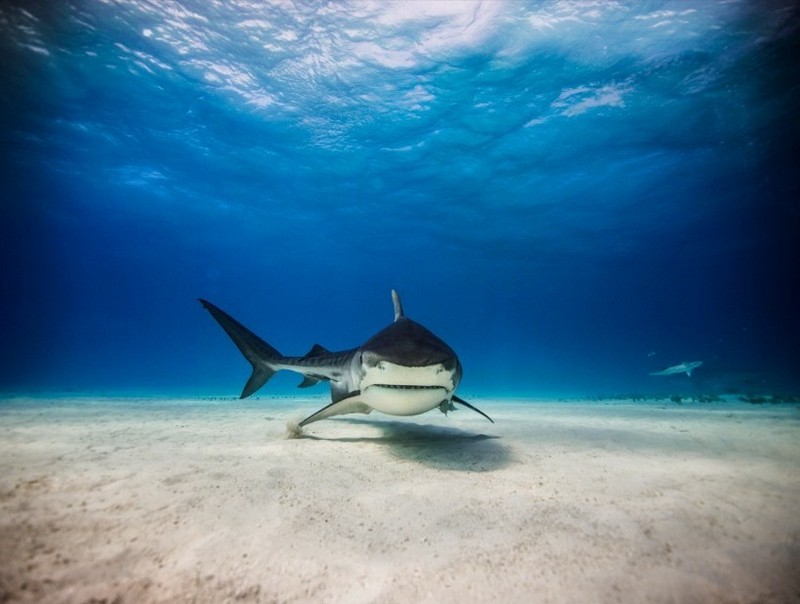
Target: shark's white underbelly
[399,390]
[403,401]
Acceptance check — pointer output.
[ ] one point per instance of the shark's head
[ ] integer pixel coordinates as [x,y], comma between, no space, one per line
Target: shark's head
[405,369]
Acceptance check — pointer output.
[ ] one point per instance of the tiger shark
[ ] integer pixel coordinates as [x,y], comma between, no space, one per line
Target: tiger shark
[684,367]
[404,369]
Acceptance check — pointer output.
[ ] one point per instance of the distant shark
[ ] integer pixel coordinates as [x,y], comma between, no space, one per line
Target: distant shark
[404,369]
[684,367]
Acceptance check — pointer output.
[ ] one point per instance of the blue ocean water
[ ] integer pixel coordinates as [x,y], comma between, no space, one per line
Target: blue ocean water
[571,194]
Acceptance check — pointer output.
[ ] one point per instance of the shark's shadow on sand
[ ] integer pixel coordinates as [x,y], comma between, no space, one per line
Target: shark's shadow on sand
[441,447]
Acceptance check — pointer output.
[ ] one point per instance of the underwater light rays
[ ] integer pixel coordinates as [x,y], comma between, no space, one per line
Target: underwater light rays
[282,60]
[312,81]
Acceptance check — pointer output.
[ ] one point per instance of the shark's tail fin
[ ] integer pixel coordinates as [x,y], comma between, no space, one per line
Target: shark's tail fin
[254,349]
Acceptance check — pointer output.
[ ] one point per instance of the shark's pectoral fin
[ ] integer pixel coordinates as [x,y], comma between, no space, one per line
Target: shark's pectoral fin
[349,404]
[461,401]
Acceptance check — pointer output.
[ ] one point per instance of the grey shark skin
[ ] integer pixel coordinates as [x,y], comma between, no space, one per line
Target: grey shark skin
[404,369]
[684,367]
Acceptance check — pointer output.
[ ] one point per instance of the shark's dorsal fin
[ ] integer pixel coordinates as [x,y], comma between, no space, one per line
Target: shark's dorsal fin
[398,306]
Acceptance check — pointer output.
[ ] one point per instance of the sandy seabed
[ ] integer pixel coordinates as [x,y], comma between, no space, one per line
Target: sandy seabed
[141,500]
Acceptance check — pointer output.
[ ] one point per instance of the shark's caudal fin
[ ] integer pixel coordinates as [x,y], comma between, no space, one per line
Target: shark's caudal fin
[254,349]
